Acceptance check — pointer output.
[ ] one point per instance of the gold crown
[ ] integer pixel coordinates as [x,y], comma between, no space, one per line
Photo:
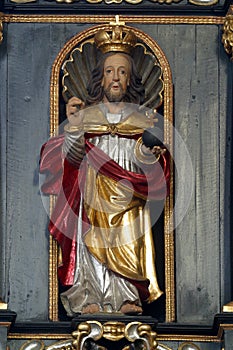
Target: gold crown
[117,38]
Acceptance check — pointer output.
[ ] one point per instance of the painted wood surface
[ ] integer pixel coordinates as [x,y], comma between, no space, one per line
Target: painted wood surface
[202,118]
[3,146]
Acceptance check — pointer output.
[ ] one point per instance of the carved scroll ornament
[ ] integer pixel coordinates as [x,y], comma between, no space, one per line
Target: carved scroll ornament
[227,37]
[139,336]
[89,332]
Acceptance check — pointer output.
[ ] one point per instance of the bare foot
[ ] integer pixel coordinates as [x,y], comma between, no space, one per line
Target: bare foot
[90,309]
[128,308]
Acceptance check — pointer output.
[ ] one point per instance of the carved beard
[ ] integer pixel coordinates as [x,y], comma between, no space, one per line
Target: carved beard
[114,96]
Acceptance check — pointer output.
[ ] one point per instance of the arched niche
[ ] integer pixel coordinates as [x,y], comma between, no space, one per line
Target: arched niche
[79,53]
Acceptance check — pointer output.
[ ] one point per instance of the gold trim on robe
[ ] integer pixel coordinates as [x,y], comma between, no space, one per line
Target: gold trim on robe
[120,236]
[94,121]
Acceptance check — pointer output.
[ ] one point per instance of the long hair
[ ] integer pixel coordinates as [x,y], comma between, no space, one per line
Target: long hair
[135,90]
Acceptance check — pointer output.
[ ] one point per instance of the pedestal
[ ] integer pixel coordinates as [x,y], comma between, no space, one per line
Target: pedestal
[115,331]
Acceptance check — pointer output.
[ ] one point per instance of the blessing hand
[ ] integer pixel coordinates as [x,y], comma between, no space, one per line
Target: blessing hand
[74,110]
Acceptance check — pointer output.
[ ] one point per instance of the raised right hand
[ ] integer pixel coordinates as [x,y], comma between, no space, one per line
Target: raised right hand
[73,110]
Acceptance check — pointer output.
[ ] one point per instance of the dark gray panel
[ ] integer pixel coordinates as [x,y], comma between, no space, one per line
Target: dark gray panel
[28,116]
[197,120]
[225,171]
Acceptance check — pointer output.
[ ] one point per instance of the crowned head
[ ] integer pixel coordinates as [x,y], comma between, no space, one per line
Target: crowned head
[115,39]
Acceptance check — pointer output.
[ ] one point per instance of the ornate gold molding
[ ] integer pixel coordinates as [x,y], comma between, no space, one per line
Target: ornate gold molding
[114,331]
[53,281]
[95,330]
[190,338]
[160,337]
[227,37]
[106,19]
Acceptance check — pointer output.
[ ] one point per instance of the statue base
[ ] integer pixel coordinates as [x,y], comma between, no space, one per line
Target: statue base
[114,331]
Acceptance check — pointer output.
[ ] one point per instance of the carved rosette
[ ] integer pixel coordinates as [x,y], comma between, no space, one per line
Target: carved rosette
[227,37]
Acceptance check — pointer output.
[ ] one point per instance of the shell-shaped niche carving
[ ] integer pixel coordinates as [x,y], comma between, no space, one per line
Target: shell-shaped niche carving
[82,60]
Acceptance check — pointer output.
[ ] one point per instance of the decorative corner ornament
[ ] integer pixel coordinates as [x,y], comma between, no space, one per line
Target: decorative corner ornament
[227,37]
[92,331]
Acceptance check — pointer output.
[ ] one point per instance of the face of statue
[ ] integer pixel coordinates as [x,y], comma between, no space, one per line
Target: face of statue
[116,77]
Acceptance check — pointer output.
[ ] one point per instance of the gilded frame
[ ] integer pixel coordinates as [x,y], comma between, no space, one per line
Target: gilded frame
[168,139]
[12,18]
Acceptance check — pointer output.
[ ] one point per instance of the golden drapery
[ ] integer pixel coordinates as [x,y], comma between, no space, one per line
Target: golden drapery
[120,236]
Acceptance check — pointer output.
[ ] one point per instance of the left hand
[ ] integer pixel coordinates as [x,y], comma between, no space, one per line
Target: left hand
[156,150]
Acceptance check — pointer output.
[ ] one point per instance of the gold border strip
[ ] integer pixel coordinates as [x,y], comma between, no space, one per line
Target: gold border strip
[169,240]
[39,336]
[160,337]
[53,280]
[105,19]
[189,338]
[226,326]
